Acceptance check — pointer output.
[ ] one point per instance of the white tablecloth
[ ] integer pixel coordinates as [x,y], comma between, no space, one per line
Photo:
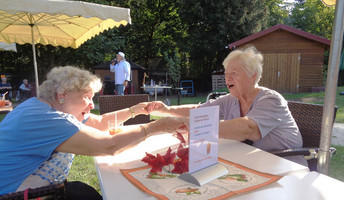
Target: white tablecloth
[116,186]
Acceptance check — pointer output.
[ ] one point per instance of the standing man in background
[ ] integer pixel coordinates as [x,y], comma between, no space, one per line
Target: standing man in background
[122,72]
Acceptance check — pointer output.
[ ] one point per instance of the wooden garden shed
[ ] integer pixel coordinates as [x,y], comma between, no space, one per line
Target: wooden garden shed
[293,59]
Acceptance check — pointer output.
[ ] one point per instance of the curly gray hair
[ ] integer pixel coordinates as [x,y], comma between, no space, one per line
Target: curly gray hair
[68,79]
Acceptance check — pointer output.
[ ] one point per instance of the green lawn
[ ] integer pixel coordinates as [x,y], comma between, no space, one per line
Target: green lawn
[83,168]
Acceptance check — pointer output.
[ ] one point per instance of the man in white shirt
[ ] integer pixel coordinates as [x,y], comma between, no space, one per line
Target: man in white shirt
[122,72]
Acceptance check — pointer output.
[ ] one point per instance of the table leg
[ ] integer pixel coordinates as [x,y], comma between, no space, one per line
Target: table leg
[156,94]
[178,96]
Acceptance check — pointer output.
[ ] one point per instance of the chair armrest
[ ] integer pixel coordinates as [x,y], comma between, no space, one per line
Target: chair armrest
[57,190]
[309,153]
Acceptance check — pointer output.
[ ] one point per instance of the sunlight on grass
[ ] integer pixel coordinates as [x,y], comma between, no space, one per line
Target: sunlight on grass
[337,163]
[83,170]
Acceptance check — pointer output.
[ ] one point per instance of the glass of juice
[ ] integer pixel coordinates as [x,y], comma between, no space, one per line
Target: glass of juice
[114,127]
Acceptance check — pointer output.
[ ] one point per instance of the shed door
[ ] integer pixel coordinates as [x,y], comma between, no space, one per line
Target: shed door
[281,72]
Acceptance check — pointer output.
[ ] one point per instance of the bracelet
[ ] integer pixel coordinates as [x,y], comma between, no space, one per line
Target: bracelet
[145,130]
[132,112]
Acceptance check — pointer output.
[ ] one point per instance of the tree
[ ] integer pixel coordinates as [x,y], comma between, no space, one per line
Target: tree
[312,16]
[192,33]
[173,63]
[211,26]
[154,30]
[278,12]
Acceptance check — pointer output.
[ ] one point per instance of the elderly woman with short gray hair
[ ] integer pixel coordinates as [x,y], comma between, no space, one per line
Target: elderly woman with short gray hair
[249,112]
[39,138]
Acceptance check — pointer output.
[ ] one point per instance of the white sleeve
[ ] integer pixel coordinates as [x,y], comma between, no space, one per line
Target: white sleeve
[112,68]
[127,71]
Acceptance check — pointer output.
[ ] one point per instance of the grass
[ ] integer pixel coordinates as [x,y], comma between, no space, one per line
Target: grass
[83,168]
[336,164]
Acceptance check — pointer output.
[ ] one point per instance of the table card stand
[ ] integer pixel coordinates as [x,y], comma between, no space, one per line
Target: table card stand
[203,147]
[205,175]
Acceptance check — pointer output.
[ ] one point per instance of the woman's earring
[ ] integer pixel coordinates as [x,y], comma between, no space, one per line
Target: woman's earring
[62,101]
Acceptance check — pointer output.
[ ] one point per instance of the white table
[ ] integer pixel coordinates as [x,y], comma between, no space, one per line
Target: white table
[299,186]
[6,109]
[156,87]
[115,186]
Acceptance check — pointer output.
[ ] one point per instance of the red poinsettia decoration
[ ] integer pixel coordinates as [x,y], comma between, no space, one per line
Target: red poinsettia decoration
[181,164]
[159,161]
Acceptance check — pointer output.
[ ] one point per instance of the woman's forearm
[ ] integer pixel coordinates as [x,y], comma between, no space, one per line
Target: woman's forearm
[239,129]
[181,110]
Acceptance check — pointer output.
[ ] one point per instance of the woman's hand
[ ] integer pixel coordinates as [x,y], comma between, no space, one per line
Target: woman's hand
[157,106]
[140,108]
[166,125]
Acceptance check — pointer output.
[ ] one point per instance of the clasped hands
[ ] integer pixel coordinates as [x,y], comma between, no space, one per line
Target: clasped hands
[182,123]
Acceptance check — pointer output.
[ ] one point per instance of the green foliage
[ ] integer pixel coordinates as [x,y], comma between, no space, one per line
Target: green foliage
[278,12]
[173,63]
[155,29]
[312,16]
[197,31]
[210,26]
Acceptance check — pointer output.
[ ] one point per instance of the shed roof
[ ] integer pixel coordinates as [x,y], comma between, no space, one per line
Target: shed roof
[281,27]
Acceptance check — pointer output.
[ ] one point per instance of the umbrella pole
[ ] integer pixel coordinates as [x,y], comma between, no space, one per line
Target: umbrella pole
[331,89]
[34,59]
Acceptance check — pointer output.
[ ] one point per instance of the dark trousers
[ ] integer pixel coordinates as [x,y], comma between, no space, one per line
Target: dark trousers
[76,190]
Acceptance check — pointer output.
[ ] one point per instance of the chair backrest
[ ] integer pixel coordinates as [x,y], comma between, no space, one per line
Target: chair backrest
[215,95]
[308,118]
[109,103]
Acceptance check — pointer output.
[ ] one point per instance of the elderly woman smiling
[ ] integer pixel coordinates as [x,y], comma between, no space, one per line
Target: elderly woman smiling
[39,138]
[249,112]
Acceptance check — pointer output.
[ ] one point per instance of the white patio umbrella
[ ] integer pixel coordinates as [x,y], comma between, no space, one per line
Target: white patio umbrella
[331,85]
[8,47]
[56,22]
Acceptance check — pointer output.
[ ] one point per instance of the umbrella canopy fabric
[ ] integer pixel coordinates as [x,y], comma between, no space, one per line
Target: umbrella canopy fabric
[8,47]
[56,22]
[329,2]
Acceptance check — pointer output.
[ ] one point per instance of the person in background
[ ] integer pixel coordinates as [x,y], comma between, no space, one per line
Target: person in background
[122,72]
[249,112]
[39,138]
[5,87]
[25,90]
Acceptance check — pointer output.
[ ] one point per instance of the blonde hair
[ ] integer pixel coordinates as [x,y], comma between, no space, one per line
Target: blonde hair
[252,59]
[68,79]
